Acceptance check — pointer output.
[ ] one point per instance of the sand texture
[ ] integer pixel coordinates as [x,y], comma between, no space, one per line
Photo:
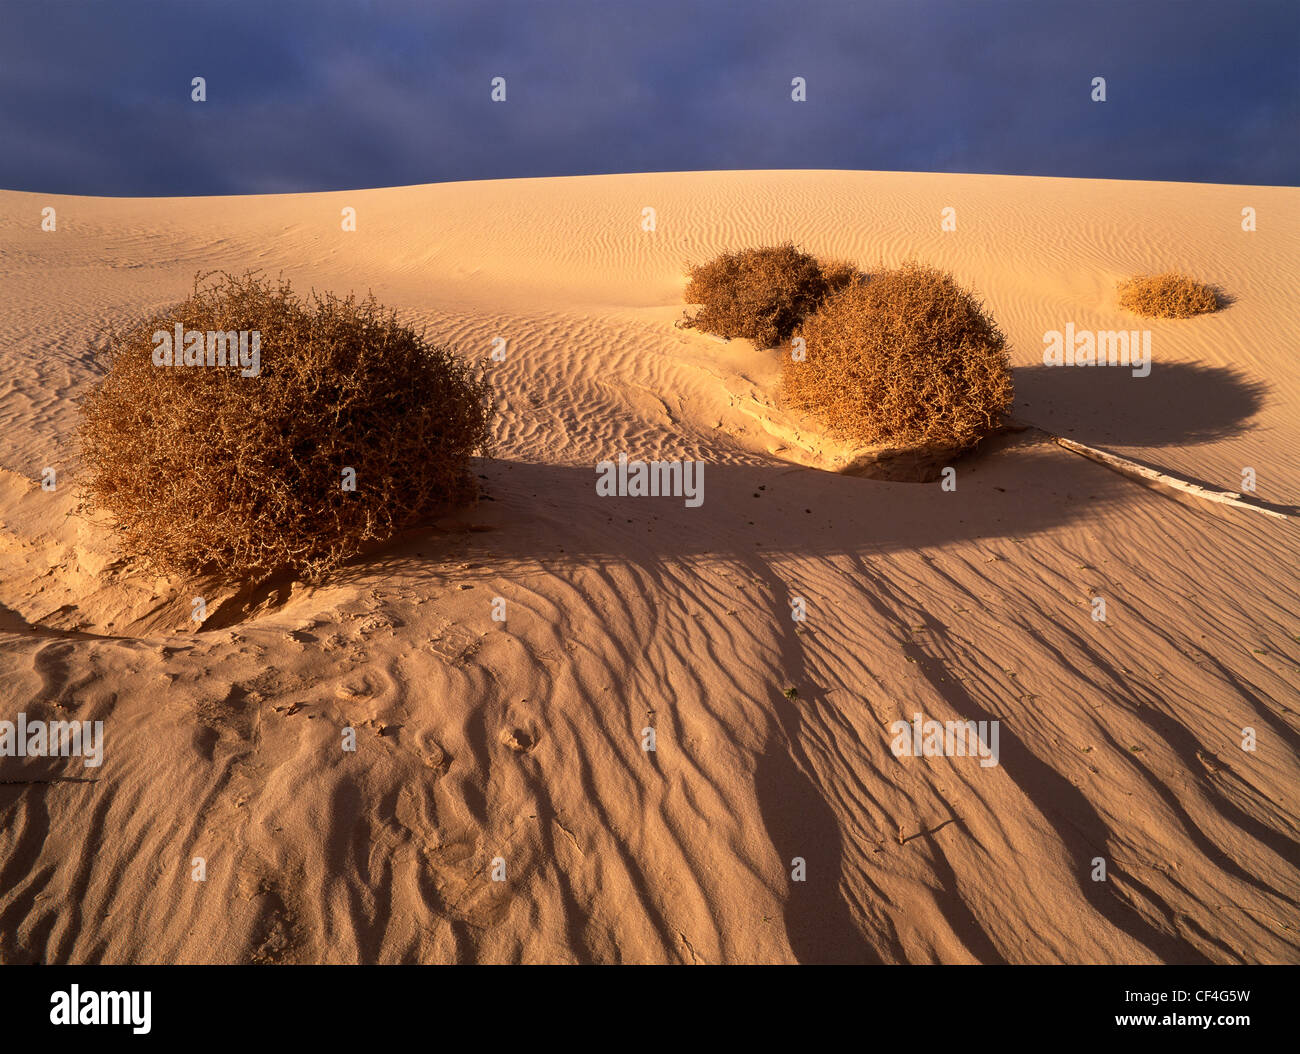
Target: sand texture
[522,741]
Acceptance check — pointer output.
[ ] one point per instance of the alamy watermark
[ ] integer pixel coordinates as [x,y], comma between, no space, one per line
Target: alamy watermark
[651,479]
[194,347]
[946,739]
[39,739]
[1098,348]
[75,1007]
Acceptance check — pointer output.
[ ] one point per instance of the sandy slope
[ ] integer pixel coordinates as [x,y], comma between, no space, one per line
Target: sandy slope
[523,741]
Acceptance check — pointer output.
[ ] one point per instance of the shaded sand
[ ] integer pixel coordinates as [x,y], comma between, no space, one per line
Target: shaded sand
[522,740]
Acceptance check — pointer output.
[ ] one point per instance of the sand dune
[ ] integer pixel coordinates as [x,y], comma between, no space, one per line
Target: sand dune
[522,740]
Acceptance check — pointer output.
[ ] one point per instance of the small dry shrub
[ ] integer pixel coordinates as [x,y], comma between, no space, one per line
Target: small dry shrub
[761,294]
[1168,295]
[908,357]
[204,470]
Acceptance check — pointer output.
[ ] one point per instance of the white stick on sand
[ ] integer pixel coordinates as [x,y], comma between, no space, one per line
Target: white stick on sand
[1132,468]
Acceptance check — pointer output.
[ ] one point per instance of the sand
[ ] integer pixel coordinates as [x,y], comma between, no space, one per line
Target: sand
[488,749]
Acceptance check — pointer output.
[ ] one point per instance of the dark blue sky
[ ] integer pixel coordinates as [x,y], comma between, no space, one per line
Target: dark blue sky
[95,96]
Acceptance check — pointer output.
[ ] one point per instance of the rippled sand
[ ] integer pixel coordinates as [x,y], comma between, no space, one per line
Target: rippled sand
[522,740]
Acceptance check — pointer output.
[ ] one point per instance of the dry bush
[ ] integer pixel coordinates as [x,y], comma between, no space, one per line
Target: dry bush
[1168,295]
[906,358]
[204,470]
[761,294]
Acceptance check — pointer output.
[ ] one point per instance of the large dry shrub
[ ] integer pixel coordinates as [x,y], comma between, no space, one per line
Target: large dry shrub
[1168,295]
[906,358]
[761,294]
[202,469]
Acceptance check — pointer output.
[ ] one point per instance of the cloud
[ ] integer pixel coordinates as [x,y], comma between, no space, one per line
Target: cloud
[303,96]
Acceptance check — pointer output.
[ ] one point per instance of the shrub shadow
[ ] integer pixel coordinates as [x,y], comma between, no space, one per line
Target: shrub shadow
[764,510]
[1177,403]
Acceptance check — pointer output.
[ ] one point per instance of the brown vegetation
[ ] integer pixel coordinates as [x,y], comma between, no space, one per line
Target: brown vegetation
[906,358]
[761,294]
[1168,295]
[201,469]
